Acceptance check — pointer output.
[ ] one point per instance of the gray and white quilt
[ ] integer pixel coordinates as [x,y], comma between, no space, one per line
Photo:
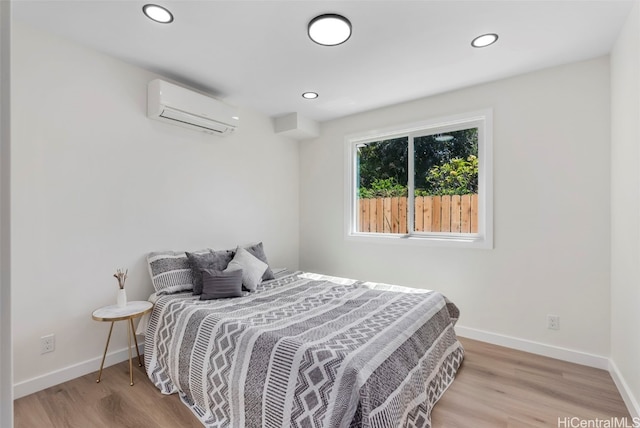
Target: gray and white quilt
[306,350]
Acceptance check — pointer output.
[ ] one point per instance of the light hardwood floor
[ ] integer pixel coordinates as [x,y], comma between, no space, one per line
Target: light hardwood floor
[496,387]
[499,387]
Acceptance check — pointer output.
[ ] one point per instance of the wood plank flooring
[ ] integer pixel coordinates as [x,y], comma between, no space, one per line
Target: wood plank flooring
[112,403]
[496,387]
[500,387]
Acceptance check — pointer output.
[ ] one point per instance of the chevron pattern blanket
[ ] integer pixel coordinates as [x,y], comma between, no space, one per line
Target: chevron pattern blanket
[306,350]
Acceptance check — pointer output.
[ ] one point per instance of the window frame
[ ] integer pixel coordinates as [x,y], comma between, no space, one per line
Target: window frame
[483,120]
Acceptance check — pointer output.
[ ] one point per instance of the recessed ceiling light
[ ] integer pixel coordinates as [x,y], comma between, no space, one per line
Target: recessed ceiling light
[484,40]
[157,13]
[443,138]
[310,95]
[329,29]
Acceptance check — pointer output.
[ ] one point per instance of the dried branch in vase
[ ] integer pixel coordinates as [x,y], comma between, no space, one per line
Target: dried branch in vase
[121,277]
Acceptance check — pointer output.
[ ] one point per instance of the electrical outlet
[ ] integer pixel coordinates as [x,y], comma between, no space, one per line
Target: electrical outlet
[47,343]
[553,322]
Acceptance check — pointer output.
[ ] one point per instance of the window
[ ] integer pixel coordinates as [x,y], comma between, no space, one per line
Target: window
[429,182]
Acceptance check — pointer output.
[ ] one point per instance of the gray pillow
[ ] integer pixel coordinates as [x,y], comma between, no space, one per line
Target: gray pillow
[257,250]
[214,260]
[221,285]
[252,268]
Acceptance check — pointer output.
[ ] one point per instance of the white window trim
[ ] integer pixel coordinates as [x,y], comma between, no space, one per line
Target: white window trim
[483,119]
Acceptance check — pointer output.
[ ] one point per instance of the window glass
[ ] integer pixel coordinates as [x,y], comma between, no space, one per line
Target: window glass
[431,180]
[446,182]
[382,175]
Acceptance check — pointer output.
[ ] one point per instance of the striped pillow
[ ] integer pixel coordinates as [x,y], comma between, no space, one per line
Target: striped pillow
[216,260]
[170,271]
[220,285]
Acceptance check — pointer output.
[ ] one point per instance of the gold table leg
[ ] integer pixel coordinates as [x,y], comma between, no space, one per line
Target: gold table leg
[105,352]
[129,332]
[140,363]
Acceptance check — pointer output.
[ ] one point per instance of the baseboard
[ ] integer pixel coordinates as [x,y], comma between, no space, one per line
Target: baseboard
[538,348]
[56,377]
[625,391]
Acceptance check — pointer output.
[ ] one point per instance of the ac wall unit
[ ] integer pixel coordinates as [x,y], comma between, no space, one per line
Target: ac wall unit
[183,107]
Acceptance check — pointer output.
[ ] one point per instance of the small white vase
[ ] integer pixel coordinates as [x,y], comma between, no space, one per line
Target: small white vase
[122,298]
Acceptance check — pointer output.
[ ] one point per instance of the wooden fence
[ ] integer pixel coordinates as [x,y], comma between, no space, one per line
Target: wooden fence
[457,214]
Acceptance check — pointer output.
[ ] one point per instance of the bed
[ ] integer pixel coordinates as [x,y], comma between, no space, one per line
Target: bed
[306,350]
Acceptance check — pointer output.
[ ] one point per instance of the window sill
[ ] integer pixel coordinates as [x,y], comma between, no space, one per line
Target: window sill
[447,241]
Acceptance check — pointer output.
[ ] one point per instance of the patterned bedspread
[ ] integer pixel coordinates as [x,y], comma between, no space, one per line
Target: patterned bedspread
[305,351]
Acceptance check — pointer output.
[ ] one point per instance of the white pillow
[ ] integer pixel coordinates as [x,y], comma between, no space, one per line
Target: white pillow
[252,268]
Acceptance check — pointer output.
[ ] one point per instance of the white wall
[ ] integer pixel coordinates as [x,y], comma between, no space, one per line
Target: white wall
[551,209]
[625,207]
[97,185]
[6,382]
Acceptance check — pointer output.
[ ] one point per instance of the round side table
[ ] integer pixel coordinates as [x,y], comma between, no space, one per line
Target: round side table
[127,313]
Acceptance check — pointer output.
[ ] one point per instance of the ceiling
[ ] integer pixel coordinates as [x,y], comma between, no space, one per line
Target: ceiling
[257,54]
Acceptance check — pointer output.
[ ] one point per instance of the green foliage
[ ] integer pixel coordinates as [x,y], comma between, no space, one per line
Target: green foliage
[429,152]
[382,160]
[383,188]
[456,177]
[446,166]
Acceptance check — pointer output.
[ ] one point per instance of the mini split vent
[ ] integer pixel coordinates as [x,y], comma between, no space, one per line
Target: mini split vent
[183,107]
